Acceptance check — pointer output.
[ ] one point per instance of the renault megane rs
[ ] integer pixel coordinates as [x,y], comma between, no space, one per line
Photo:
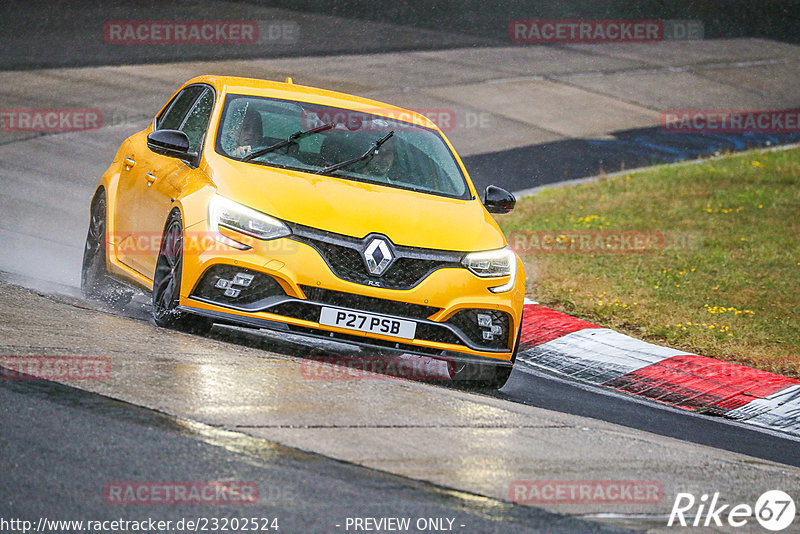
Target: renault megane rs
[273,205]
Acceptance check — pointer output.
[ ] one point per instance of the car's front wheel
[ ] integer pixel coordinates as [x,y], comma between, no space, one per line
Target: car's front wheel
[167,282]
[95,280]
[484,376]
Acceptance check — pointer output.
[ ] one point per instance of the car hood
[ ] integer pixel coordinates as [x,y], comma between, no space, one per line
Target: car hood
[358,209]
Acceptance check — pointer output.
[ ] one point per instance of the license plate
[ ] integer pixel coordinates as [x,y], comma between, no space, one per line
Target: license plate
[366,322]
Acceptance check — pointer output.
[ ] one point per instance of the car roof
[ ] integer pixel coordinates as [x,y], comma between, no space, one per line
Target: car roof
[291,91]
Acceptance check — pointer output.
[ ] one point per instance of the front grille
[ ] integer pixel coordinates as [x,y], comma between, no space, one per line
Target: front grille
[343,254]
[296,309]
[264,293]
[368,304]
[430,332]
[347,264]
[467,322]
[261,287]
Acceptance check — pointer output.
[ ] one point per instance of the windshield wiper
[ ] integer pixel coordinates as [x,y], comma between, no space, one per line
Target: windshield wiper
[365,155]
[288,141]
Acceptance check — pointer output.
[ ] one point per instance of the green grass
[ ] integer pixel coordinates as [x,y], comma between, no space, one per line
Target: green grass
[725,283]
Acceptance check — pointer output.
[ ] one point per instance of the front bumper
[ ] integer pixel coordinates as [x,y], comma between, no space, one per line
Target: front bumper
[292,282]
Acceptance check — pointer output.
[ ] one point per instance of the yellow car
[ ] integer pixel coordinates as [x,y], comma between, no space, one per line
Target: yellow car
[278,206]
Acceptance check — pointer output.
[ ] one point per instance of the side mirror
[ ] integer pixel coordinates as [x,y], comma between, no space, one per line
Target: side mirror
[498,200]
[171,143]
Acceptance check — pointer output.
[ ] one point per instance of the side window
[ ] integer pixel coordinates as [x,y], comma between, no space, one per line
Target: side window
[173,115]
[197,121]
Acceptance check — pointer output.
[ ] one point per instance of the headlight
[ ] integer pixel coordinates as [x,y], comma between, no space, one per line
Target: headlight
[229,214]
[493,264]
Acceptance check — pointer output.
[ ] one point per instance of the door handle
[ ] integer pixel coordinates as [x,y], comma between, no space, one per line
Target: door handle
[129,162]
[150,178]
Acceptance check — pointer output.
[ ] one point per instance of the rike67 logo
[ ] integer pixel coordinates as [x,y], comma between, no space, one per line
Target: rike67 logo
[774,510]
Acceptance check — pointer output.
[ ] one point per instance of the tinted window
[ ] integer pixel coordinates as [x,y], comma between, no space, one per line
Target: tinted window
[413,157]
[173,116]
[197,121]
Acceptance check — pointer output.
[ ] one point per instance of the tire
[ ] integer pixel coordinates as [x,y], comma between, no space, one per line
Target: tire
[167,282]
[96,283]
[485,376]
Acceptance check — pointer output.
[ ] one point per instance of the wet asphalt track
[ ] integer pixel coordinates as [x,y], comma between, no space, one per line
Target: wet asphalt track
[544,390]
[58,469]
[64,444]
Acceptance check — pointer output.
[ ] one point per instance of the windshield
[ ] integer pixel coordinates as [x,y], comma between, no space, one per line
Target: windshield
[338,142]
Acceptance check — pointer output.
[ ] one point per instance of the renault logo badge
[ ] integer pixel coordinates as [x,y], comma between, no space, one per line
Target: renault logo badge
[378,256]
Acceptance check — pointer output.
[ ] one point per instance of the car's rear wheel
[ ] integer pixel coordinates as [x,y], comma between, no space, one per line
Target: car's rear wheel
[485,376]
[95,280]
[167,282]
